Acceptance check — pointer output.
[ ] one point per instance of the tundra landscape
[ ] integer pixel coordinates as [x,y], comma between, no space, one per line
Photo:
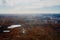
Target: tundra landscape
[30,27]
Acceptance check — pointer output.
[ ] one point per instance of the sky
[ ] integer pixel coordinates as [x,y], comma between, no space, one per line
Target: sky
[29,6]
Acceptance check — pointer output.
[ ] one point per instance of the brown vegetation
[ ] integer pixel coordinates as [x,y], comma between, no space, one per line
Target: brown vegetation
[31,32]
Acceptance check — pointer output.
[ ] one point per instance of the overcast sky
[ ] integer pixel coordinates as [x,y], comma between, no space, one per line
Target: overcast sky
[29,6]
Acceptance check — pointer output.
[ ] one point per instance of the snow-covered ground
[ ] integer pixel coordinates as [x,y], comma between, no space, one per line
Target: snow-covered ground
[14,26]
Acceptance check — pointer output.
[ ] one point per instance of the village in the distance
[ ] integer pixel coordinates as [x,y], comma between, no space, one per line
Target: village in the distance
[32,27]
